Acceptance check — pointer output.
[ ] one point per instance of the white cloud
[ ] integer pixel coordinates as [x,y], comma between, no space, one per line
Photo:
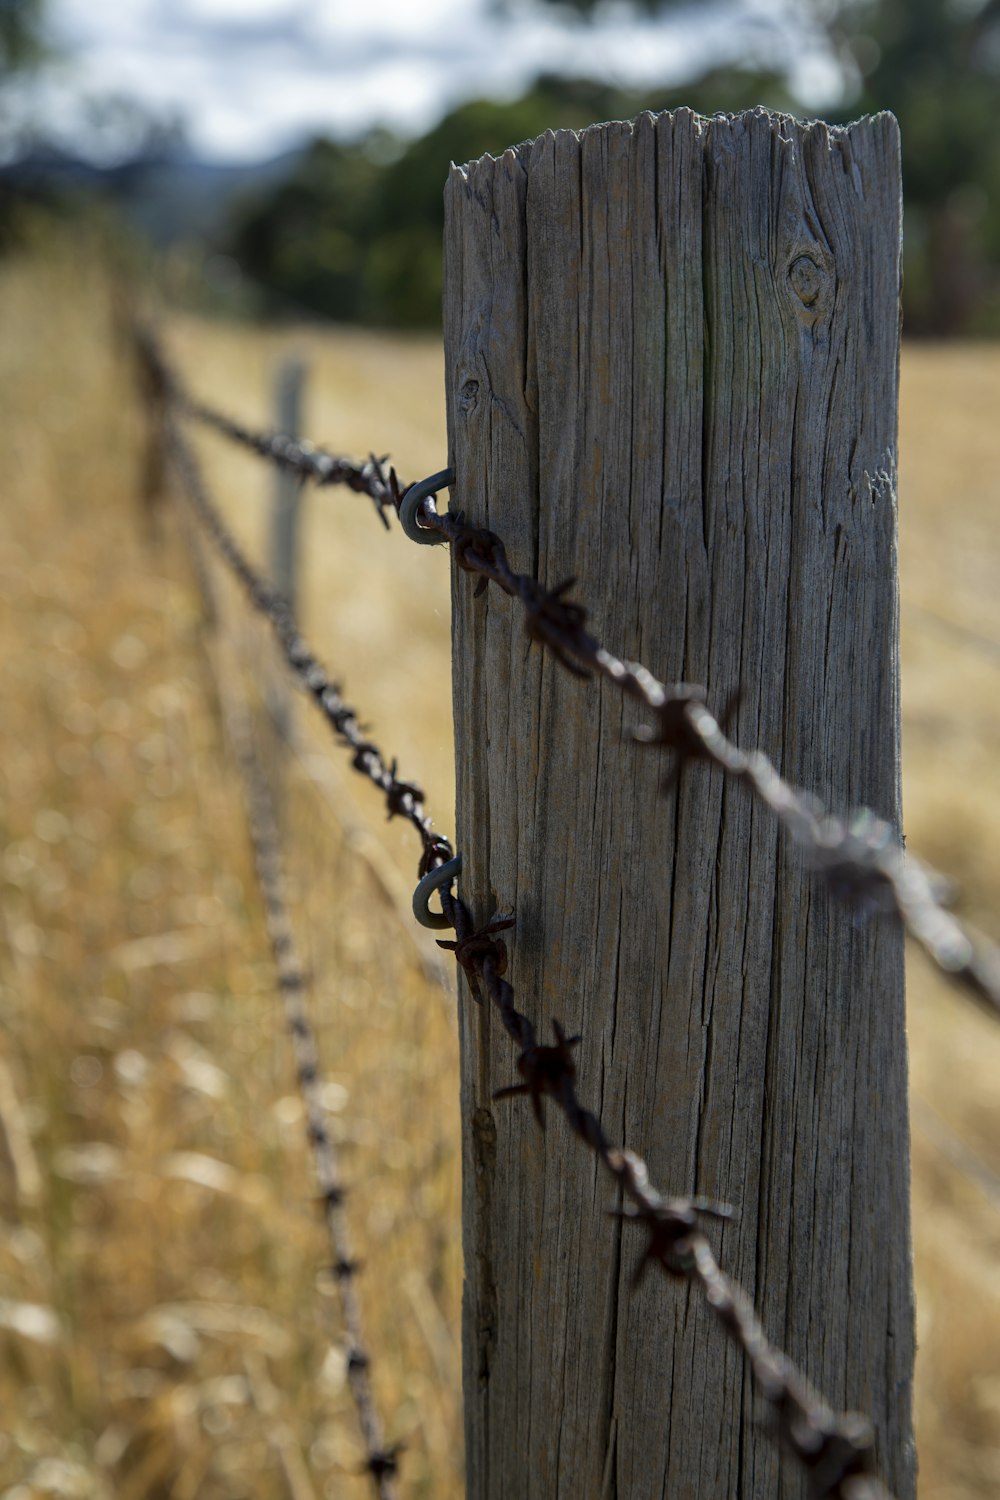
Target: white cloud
[251,77]
[239,10]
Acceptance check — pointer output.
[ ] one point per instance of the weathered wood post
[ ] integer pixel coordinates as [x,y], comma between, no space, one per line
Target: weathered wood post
[287,486]
[671,362]
[284,535]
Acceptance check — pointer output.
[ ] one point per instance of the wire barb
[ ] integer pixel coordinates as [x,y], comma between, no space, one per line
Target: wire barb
[545,1070]
[298,456]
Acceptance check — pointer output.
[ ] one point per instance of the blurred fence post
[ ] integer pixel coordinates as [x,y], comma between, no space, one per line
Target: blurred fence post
[284,532]
[671,365]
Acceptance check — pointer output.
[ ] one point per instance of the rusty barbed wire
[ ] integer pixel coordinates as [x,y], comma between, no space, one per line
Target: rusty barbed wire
[295,455]
[860,856]
[299,456]
[836,1450]
[381,1461]
[403,799]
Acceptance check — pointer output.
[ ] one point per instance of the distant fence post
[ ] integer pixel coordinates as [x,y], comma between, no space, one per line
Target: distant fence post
[671,365]
[284,534]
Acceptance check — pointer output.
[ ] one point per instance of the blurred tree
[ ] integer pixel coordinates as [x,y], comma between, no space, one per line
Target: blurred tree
[22,48]
[21,44]
[936,65]
[355,231]
[305,241]
[594,8]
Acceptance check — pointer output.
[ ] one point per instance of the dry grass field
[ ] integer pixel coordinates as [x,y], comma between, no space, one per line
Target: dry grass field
[166,1326]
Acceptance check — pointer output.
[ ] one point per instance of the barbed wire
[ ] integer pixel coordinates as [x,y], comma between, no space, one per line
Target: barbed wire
[294,455]
[380,1460]
[403,799]
[836,1450]
[860,856]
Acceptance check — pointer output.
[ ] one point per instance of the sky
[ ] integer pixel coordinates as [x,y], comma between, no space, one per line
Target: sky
[251,78]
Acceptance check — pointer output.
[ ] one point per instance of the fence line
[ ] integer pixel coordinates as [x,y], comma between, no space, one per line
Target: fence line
[403,798]
[859,857]
[835,1450]
[366,846]
[380,1460]
[298,455]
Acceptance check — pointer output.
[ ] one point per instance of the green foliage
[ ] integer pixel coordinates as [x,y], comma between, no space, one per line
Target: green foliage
[936,65]
[21,49]
[354,232]
[21,43]
[305,241]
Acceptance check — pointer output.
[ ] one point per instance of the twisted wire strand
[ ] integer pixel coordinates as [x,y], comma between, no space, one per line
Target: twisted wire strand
[859,856]
[403,799]
[836,1450]
[381,1461]
[299,456]
[161,387]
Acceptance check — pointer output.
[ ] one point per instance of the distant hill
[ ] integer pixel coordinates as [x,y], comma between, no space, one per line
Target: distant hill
[165,197]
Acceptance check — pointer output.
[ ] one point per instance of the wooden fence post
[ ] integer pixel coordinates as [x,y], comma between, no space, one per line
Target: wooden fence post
[671,363]
[284,532]
[288,486]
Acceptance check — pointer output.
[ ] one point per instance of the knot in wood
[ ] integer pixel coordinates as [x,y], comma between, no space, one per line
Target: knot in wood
[806,278]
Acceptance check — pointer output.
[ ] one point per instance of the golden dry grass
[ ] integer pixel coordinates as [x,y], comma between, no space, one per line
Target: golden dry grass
[163,1329]
[949,569]
[164,1322]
